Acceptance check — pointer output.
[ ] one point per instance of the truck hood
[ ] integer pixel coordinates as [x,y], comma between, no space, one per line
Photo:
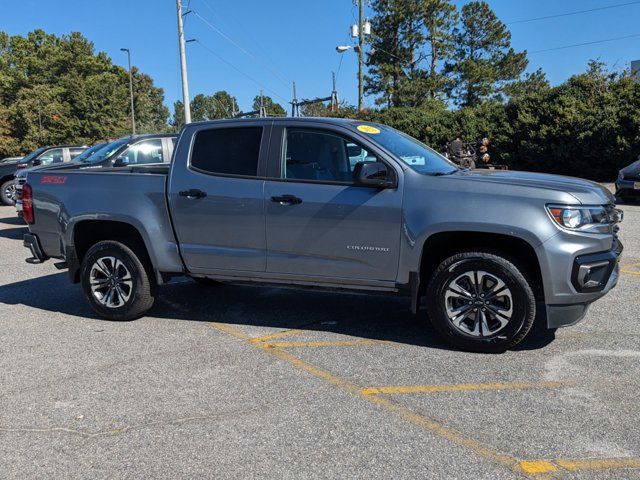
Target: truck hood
[584,191]
[632,170]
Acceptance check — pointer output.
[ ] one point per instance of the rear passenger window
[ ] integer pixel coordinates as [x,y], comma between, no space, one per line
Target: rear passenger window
[227,151]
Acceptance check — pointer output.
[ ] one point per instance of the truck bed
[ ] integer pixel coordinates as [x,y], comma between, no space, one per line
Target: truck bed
[135,195]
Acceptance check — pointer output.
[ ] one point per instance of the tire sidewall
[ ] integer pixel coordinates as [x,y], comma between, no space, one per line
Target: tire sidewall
[140,291]
[521,299]
[5,200]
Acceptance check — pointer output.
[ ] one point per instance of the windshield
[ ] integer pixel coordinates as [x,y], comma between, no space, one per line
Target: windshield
[33,155]
[88,152]
[415,154]
[106,151]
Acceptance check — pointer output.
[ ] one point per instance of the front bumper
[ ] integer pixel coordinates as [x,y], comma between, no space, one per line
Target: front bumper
[592,274]
[626,188]
[32,242]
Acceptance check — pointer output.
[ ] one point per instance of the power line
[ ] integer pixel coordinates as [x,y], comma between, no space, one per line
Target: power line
[242,49]
[577,12]
[585,43]
[213,52]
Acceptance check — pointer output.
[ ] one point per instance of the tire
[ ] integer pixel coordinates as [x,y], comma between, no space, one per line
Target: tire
[509,312]
[6,193]
[133,297]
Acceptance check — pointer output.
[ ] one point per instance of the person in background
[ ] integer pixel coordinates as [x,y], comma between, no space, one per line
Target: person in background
[455,148]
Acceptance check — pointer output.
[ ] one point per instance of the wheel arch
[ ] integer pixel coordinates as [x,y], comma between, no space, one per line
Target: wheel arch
[439,246]
[86,233]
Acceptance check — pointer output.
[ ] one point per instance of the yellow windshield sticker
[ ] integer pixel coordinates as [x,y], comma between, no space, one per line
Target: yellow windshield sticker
[368,129]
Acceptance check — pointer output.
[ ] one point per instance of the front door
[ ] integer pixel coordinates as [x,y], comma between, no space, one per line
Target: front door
[216,199]
[319,224]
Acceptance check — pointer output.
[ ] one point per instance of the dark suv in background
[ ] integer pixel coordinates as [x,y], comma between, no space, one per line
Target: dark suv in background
[628,182]
[42,156]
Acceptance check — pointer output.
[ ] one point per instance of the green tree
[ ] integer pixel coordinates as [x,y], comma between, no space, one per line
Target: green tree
[272,108]
[316,109]
[411,40]
[531,83]
[57,89]
[177,120]
[395,70]
[483,61]
[440,17]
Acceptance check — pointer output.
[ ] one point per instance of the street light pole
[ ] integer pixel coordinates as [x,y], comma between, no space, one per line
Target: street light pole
[133,115]
[183,66]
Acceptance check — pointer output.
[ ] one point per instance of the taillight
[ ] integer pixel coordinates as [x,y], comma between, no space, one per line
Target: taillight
[27,204]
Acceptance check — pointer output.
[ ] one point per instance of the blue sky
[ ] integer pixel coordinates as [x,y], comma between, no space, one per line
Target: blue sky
[270,43]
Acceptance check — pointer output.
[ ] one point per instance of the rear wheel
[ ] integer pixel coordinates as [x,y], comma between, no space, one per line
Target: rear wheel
[7,190]
[115,281]
[481,302]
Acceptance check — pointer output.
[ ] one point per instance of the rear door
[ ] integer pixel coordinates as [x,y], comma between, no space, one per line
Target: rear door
[319,224]
[216,196]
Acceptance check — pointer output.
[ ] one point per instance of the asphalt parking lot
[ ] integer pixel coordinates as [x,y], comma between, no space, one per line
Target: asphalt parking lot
[245,382]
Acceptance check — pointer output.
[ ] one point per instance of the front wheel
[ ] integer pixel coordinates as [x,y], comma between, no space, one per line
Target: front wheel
[7,191]
[481,302]
[115,281]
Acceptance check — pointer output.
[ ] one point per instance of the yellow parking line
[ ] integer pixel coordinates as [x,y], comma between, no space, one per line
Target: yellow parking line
[415,418]
[626,269]
[533,468]
[537,467]
[461,387]
[271,336]
[598,463]
[328,343]
[229,329]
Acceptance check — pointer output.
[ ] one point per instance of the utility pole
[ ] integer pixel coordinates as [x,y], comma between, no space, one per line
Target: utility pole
[263,110]
[360,53]
[334,94]
[183,66]
[133,115]
[294,102]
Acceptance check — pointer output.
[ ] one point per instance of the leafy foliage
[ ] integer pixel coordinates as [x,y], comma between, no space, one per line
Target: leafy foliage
[58,90]
[483,60]
[588,126]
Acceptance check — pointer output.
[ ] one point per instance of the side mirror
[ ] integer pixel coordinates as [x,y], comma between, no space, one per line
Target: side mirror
[121,162]
[36,162]
[372,174]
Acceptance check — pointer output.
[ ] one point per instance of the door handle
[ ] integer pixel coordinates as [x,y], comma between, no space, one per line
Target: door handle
[192,193]
[287,200]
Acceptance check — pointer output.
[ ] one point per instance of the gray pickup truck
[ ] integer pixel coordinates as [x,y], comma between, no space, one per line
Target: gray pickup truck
[338,204]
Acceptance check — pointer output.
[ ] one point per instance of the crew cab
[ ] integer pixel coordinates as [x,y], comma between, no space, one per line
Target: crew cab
[337,204]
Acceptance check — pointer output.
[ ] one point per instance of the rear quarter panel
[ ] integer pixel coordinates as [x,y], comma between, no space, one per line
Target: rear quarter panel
[62,199]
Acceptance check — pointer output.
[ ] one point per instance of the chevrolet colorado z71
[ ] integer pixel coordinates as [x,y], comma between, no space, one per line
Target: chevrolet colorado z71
[333,203]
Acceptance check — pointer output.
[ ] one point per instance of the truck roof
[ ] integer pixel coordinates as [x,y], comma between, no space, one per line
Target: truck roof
[328,120]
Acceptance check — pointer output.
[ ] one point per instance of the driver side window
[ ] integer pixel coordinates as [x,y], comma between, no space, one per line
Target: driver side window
[149,151]
[321,156]
[51,156]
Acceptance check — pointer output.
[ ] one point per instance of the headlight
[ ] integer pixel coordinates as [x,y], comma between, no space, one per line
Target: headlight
[578,217]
